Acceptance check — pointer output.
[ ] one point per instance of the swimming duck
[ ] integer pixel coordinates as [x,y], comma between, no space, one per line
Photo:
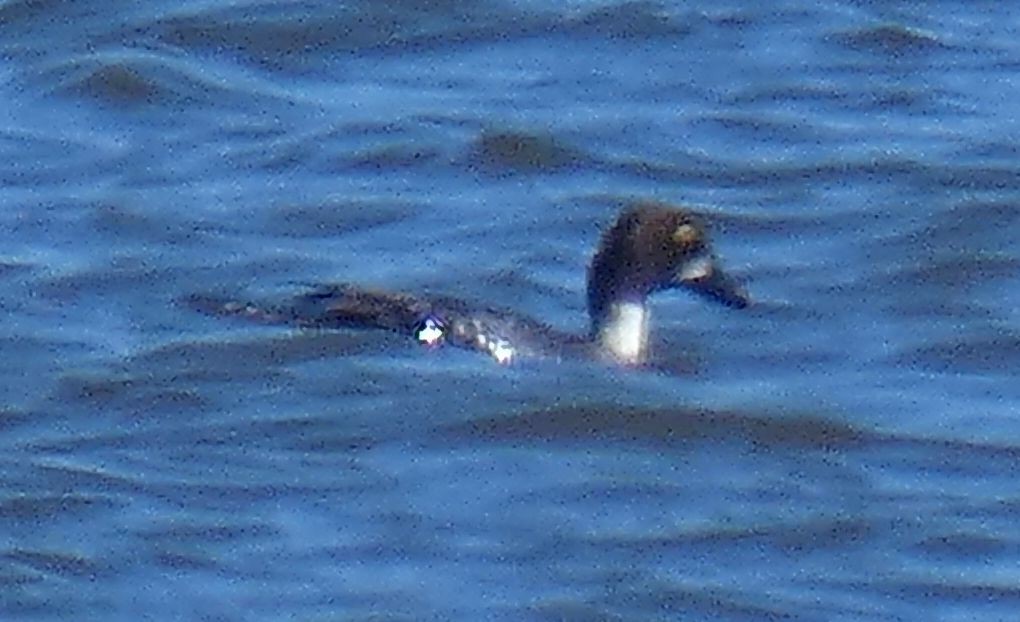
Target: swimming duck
[650,248]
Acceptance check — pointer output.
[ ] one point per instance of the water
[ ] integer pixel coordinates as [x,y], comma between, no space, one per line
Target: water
[847,449]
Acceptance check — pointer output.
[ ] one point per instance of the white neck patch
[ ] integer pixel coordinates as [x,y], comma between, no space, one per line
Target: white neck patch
[625,333]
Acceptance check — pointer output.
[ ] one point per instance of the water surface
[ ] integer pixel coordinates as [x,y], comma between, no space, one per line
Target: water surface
[846,449]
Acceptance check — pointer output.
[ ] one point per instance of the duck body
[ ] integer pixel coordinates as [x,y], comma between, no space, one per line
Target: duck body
[650,248]
[437,320]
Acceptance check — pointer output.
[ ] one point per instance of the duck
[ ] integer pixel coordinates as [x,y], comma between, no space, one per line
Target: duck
[651,247]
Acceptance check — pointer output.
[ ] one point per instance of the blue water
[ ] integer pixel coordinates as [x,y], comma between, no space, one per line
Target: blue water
[846,449]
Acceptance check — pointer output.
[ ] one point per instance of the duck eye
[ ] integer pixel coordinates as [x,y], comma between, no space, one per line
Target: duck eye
[686,235]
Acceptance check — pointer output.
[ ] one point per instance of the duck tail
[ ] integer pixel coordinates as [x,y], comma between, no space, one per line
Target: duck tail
[335,306]
[222,306]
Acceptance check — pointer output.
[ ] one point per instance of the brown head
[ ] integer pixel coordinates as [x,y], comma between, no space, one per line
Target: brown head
[650,248]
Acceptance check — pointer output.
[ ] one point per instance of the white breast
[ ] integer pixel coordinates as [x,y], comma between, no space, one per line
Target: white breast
[625,333]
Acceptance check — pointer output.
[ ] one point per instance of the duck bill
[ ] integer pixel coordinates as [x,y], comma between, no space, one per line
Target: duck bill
[704,277]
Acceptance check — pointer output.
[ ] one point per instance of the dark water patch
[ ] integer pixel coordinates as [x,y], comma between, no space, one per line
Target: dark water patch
[37,29]
[164,435]
[323,436]
[275,154]
[26,604]
[283,154]
[796,538]
[25,349]
[123,221]
[270,35]
[999,151]
[892,40]
[15,11]
[818,535]
[740,20]
[81,479]
[795,359]
[130,394]
[197,533]
[1009,64]
[15,575]
[10,419]
[282,37]
[131,275]
[37,159]
[259,357]
[141,79]
[914,299]
[898,98]
[535,299]
[31,508]
[187,561]
[197,497]
[160,401]
[247,131]
[955,272]
[506,151]
[135,222]
[916,100]
[601,424]
[988,177]
[348,484]
[563,610]
[947,461]
[319,435]
[394,537]
[522,281]
[392,157]
[119,84]
[974,226]
[716,173]
[60,564]
[100,391]
[754,95]
[962,546]
[338,217]
[997,353]
[976,460]
[932,266]
[995,516]
[14,268]
[608,493]
[958,592]
[343,148]
[887,169]
[637,20]
[794,225]
[756,127]
[668,601]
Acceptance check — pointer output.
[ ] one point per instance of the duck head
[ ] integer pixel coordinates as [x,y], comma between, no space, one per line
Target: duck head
[651,248]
